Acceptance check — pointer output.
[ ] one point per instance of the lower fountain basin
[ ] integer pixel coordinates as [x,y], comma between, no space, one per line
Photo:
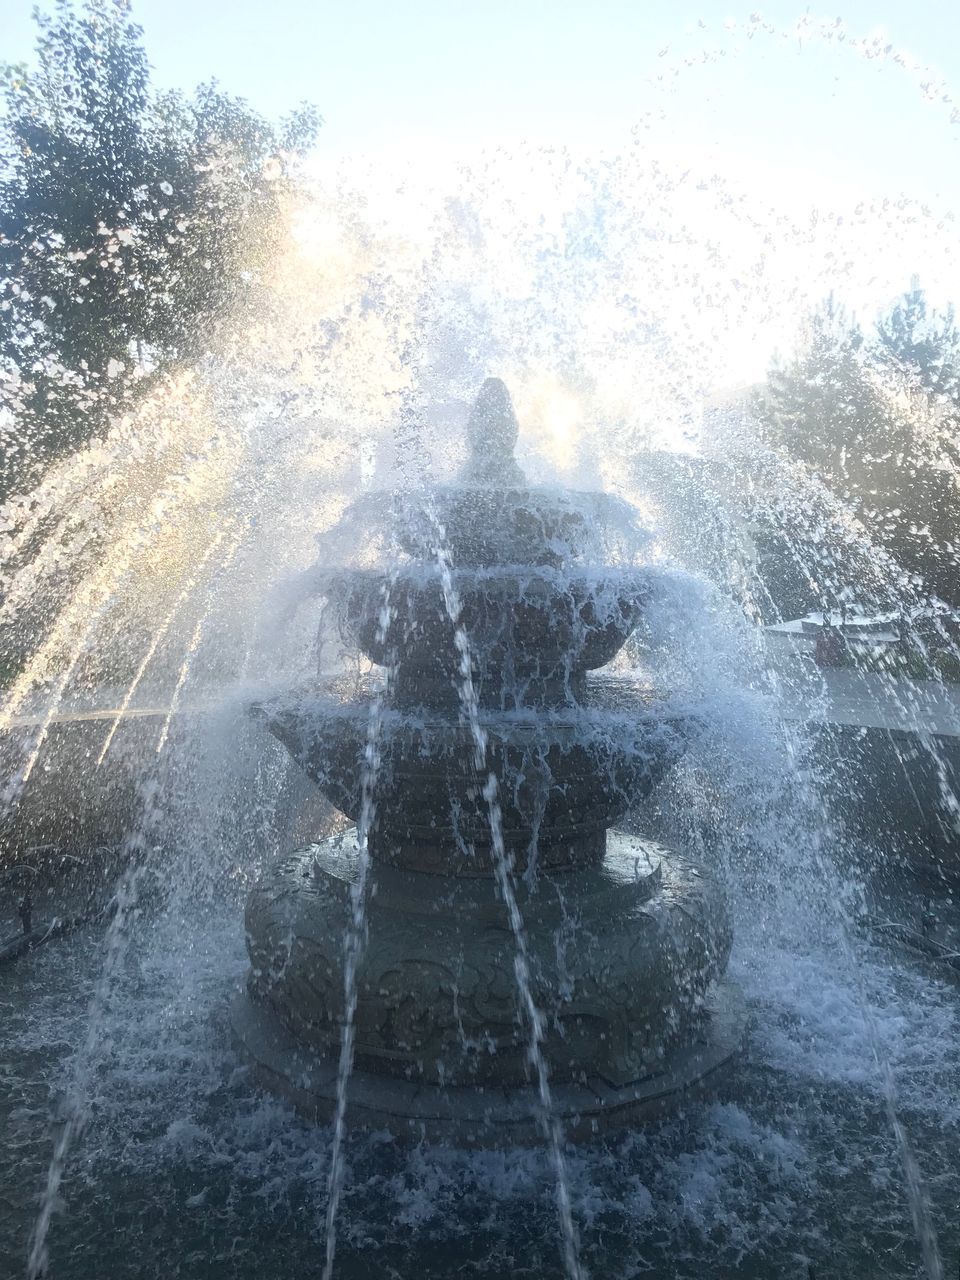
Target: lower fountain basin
[622,960]
[566,776]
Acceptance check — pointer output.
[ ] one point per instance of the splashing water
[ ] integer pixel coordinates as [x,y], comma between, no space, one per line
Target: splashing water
[810,830]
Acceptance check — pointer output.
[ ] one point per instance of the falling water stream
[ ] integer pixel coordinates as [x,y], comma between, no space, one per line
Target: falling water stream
[355,937]
[75,1100]
[192,646]
[158,635]
[503,872]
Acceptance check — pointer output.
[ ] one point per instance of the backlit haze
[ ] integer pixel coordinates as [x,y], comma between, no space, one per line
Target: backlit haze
[736,164]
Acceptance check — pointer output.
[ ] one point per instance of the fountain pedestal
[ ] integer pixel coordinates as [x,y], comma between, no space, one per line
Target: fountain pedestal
[626,940]
[620,953]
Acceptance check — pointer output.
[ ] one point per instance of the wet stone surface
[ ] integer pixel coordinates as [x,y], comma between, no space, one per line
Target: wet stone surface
[622,954]
[418,960]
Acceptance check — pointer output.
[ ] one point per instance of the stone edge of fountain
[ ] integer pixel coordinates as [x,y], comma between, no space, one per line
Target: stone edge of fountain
[469,1116]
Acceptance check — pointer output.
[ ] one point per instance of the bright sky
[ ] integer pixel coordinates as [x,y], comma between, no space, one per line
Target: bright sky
[383,73]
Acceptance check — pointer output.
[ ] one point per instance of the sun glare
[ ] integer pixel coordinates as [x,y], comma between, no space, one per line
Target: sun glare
[552,418]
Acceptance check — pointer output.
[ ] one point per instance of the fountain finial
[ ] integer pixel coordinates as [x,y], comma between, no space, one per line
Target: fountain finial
[492,431]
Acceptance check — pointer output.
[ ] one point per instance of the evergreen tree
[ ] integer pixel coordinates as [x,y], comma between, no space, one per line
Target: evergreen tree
[813,405]
[130,227]
[922,347]
[923,344]
[876,421]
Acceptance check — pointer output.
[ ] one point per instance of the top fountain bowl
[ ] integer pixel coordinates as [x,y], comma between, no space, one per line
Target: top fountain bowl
[485,525]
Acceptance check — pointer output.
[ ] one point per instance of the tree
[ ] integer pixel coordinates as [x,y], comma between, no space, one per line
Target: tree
[922,344]
[814,404]
[920,347]
[132,227]
[877,421]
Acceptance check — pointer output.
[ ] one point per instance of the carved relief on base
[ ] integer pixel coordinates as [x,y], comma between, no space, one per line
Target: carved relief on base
[621,955]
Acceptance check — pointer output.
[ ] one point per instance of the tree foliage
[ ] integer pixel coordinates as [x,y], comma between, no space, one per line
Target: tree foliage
[918,342]
[877,417]
[132,225]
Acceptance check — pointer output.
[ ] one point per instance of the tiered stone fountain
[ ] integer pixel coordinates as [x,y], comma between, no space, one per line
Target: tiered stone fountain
[491,624]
